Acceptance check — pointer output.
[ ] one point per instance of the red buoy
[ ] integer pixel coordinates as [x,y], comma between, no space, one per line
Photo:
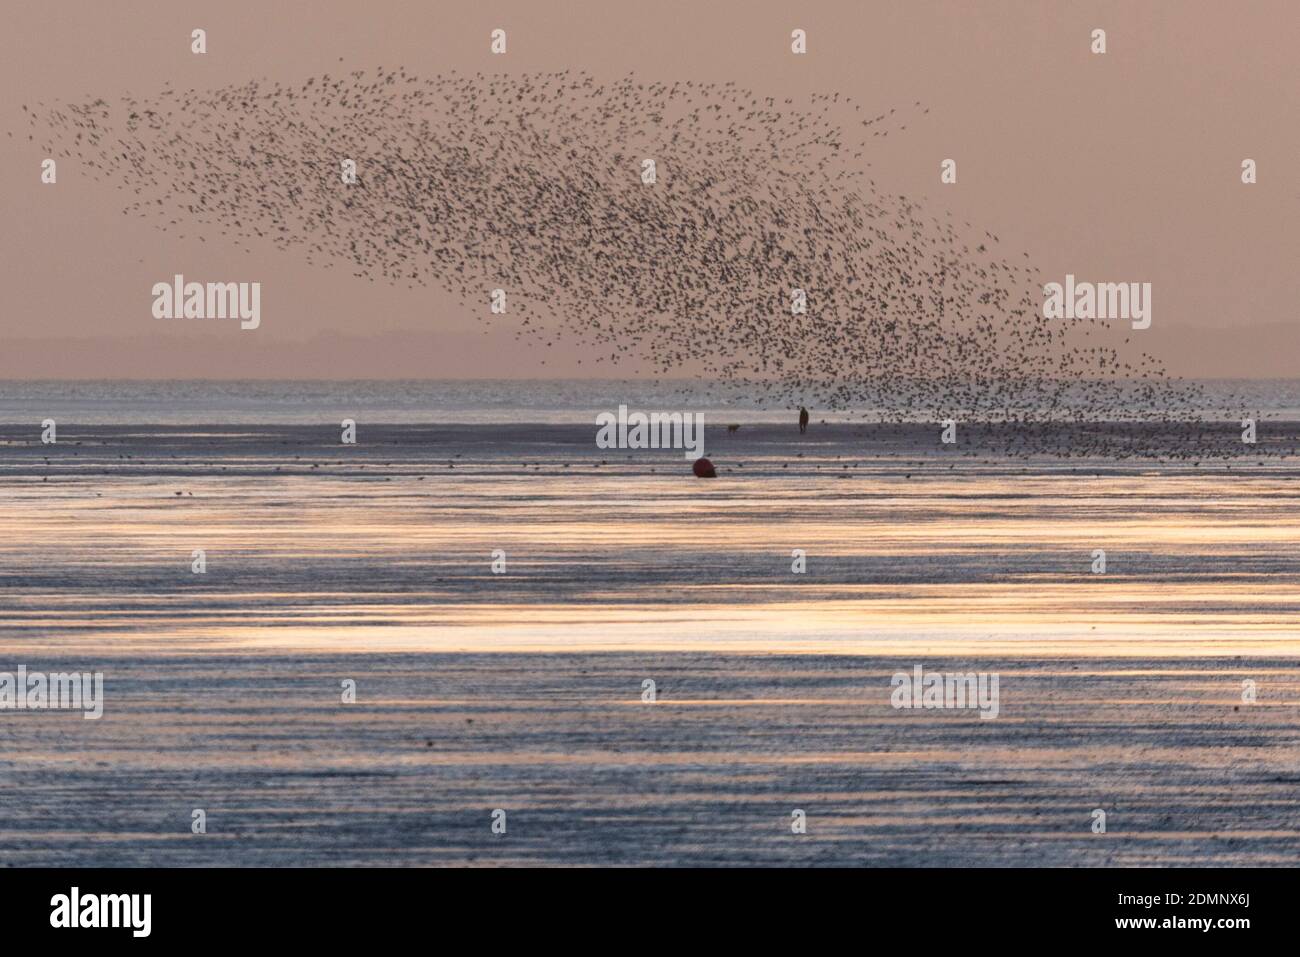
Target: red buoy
[703,468]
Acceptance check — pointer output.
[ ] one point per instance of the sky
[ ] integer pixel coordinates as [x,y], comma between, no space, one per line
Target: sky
[1119,167]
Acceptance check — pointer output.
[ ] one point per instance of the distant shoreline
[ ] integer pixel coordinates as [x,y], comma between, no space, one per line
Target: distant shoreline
[759,445]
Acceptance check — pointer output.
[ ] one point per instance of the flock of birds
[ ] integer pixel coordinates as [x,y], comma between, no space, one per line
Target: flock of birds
[533,184]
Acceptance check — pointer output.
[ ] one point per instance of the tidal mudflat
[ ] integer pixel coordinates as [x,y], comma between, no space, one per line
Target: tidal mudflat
[523,690]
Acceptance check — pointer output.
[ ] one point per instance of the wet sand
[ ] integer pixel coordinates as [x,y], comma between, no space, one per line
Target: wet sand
[708,774]
[522,690]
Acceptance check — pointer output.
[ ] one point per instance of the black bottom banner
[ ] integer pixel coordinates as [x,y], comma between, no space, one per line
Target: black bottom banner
[336,906]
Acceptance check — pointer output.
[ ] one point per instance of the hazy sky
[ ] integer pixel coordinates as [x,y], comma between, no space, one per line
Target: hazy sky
[1122,167]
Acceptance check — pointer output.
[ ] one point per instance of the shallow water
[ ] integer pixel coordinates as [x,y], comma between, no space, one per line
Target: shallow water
[708,774]
[389,545]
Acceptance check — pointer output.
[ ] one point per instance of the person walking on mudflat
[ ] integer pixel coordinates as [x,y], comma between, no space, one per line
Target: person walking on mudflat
[803,420]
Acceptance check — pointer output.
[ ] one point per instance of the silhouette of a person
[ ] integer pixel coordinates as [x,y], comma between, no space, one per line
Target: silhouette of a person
[803,420]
